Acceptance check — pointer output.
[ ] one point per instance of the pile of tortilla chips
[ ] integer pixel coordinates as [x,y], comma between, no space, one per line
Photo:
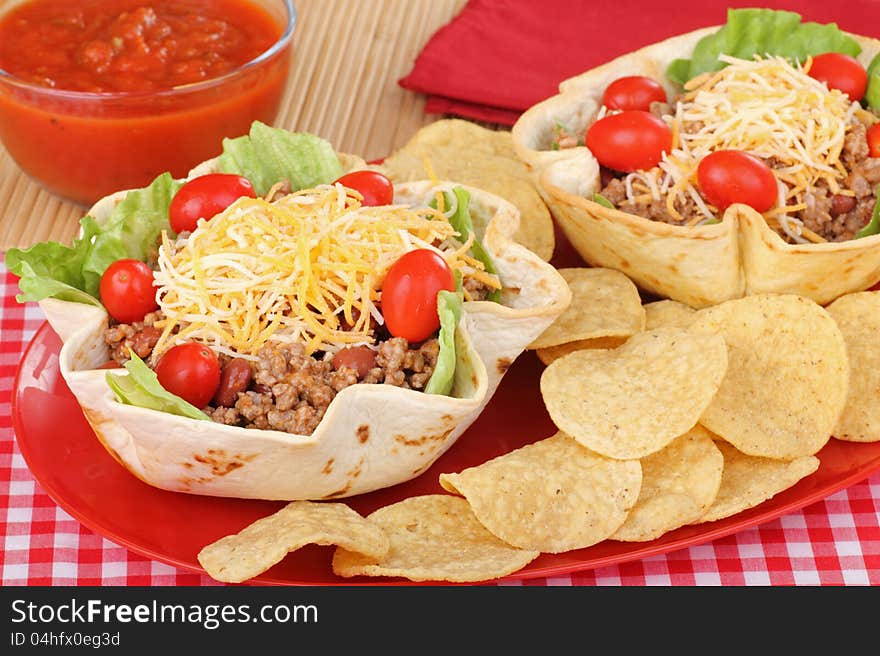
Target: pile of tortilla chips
[667,416]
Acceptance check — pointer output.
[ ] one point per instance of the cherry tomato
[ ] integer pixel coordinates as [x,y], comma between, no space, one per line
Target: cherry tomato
[735,176]
[629,141]
[874,140]
[633,92]
[376,188]
[840,71]
[204,197]
[191,371]
[409,294]
[127,291]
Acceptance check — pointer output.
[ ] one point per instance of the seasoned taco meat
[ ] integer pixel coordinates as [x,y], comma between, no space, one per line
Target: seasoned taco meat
[285,388]
[140,337]
[292,390]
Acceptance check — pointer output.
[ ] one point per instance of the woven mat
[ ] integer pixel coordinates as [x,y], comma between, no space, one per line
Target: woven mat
[348,56]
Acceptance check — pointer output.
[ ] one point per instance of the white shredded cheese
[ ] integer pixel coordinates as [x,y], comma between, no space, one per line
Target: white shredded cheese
[769,108]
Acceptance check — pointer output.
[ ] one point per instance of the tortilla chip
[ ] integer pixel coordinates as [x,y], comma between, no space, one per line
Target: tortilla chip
[749,480]
[551,496]
[551,353]
[858,317]
[787,377]
[668,313]
[679,484]
[256,548]
[455,132]
[461,151]
[604,303]
[435,537]
[632,401]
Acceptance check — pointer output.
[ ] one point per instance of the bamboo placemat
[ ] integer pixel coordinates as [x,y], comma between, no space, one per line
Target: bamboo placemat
[348,57]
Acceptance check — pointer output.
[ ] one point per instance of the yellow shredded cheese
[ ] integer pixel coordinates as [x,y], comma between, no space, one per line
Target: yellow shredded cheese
[767,107]
[306,268]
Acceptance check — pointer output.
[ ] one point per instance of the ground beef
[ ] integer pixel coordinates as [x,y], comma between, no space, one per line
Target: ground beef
[291,390]
[855,145]
[140,336]
[661,109]
[476,289]
[838,217]
[656,209]
[614,190]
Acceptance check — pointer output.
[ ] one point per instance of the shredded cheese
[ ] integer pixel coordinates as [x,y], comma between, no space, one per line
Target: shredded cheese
[306,268]
[767,107]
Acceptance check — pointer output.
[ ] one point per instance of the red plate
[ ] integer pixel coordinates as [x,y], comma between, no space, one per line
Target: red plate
[71,465]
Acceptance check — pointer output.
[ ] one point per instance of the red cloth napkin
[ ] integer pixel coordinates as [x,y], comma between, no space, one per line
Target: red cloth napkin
[499,57]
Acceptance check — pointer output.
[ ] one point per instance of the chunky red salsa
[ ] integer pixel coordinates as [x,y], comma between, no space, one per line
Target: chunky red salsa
[131,45]
[86,145]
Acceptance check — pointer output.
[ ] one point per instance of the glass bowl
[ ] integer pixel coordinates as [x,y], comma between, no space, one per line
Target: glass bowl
[83,146]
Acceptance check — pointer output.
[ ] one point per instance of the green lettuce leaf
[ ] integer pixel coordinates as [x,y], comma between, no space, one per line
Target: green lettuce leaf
[73,273]
[132,230]
[873,226]
[464,225]
[53,270]
[750,32]
[268,155]
[604,202]
[141,388]
[872,93]
[449,309]
[679,70]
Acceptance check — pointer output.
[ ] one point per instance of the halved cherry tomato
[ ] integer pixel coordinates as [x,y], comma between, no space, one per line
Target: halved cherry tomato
[409,294]
[735,176]
[127,291]
[376,188]
[633,92]
[206,196]
[629,141]
[191,371]
[874,140]
[840,71]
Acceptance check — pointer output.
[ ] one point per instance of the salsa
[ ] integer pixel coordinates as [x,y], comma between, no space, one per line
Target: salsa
[143,58]
[131,45]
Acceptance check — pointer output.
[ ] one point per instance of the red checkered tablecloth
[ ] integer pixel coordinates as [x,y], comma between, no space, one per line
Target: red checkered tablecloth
[832,542]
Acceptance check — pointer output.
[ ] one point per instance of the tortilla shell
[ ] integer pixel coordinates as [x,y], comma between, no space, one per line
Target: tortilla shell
[372,436]
[699,266]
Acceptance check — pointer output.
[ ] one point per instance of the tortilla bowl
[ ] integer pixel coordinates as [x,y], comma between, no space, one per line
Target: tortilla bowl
[372,435]
[700,265]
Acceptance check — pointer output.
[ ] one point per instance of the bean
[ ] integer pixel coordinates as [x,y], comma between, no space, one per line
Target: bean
[841,204]
[359,358]
[144,340]
[235,376]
